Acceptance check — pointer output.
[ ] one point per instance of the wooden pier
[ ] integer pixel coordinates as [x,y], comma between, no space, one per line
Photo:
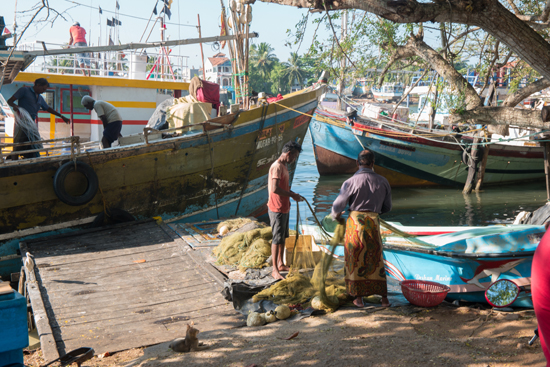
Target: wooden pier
[121,287]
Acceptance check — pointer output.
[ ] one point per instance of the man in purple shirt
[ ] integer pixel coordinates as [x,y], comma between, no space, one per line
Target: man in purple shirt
[368,195]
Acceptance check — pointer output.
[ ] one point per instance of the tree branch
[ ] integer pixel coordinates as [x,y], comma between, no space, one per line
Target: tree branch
[503,116]
[515,98]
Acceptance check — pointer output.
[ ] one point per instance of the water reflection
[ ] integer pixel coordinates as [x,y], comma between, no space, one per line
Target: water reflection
[434,206]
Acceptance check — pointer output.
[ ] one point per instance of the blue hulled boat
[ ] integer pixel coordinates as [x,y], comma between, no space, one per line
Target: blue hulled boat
[467,261]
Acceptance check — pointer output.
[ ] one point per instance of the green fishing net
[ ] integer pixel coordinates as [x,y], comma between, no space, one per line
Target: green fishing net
[313,280]
[245,250]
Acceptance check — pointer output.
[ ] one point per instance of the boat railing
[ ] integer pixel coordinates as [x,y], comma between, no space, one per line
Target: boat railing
[116,64]
[53,147]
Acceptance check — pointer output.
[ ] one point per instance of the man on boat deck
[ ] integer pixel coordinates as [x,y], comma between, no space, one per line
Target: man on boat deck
[109,116]
[30,99]
[368,195]
[78,39]
[278,204]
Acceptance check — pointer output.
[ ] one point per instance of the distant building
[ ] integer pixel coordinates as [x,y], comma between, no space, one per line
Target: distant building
[218,70]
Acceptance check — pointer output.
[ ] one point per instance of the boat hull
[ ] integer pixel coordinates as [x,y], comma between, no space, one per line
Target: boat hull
[195,177]
[410,160]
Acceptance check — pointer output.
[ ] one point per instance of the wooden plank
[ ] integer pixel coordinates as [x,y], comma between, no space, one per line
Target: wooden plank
[98,296]
[207,267]
[47,340]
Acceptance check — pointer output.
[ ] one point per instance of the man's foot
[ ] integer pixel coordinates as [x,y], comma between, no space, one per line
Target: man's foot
[358,302]
[284,268]
[385,302]
[276,275]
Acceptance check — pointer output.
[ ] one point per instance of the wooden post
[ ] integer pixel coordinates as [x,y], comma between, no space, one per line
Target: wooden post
[471,167]
[202,54]
[483,165]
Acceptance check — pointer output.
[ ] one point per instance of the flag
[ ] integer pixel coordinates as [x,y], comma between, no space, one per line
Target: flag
[111,43]
[155,10]
[223,32]
[168,3]
[109,23]
[117,6]
[166,11]
[100,11]
[7,31]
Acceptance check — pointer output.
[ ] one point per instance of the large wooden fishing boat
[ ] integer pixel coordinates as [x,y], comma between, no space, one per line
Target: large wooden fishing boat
[415,157]
[217,171]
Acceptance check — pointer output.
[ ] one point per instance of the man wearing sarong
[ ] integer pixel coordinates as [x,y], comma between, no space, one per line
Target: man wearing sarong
[368,195]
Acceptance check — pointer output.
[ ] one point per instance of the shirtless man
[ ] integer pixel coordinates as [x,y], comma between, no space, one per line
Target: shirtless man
[279,204]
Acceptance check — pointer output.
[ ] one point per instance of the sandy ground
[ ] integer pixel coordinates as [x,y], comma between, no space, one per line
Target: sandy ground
[402,336]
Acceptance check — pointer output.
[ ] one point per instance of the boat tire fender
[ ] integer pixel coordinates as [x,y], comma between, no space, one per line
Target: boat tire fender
[59,183]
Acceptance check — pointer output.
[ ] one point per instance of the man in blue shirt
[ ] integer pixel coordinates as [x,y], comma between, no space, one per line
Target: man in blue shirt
[31,100]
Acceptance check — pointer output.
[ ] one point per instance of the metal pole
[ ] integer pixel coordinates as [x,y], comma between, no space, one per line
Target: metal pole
[71,104]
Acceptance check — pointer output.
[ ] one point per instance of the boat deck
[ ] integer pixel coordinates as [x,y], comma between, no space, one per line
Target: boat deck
[120,287]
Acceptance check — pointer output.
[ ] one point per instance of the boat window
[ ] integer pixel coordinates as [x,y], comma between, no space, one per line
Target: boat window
[77,101]
[49,97]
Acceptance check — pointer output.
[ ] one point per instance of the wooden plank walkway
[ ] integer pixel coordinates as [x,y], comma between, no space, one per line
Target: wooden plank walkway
[121,287]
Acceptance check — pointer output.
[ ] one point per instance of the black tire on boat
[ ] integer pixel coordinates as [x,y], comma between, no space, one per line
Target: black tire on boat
[59,183]
[114,216]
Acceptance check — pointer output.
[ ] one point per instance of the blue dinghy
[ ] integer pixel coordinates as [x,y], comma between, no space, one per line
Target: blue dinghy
[467,261]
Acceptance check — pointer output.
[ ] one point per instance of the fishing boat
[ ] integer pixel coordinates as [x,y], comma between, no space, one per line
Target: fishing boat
[467,260]
[388,92]
[208,170]
[409,156]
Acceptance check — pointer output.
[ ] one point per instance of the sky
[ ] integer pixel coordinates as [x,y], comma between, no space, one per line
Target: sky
[271,21]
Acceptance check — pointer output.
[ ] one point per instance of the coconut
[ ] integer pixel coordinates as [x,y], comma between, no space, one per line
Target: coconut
[282,312]
[270,317]
[224,230]
[255,319]
[330,306]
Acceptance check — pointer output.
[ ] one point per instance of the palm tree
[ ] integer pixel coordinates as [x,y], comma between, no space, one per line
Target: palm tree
[262,57]
[294,70]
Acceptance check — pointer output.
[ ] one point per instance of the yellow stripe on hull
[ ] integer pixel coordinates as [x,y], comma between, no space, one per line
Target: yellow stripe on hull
[101,81]
[132,104]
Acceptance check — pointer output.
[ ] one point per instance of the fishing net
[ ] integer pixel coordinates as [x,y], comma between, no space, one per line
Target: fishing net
[313,280]
[26,130]
[245,250]
[318,281]
[231,225]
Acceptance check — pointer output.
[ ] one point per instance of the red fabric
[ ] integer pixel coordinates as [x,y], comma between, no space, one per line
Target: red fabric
[540,288]
[275,99]
[278,203]
[210,93]
[78,33]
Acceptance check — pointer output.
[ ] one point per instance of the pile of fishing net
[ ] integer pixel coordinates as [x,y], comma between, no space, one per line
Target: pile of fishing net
[245,250]
[309,283]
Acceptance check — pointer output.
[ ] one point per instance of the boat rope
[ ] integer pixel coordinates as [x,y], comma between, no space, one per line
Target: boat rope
[105,206]
[245,184]
[210,149]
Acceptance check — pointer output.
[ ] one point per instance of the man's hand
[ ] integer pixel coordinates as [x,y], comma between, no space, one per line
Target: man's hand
[296,197]
[15,108]
[66,119]
[339,215]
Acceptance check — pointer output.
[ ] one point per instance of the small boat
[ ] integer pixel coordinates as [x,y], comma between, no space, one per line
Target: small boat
[388,92]
[467,260]
[409,156]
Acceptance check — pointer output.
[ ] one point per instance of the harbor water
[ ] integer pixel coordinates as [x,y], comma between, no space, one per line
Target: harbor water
[424,206]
